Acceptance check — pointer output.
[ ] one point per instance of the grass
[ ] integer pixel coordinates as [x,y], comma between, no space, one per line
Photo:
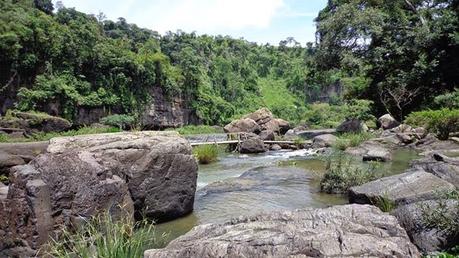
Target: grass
[197,129]
[450,253]
[347,140]
[104,237]
[206,154]
[42,136]
[442,216]
[342,174]
[384,203]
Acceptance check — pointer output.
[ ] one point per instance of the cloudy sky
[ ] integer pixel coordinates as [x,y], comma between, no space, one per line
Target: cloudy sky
[262,21]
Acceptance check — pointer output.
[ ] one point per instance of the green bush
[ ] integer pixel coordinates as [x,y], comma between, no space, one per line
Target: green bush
[206,154]
[441,122]
[324,115]
[347,140]
[341,174]
[448,100]
[442,216]
[4,138]
[120,121]
[104,237]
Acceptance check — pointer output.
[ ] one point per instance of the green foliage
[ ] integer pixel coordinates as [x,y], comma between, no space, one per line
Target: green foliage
[198,129]
[104,237]
[404,51]
[448,100]
[347,140]
[343,174]
[120,121]
[4,179]
[441,122]
[206,154]
[442,216]
[451,253]
[324,115]
[384,203]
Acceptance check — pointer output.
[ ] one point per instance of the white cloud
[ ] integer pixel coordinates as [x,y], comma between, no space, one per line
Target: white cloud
[208,15]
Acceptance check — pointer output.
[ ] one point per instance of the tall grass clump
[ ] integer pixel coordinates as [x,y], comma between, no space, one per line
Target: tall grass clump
[384,203]
[206,154]
[342,174]
[104,237]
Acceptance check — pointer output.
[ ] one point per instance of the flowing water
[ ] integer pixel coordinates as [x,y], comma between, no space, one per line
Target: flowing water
[290,193]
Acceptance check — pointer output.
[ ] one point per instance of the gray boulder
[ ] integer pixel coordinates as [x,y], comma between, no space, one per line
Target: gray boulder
[128,174]
[402,189]
[351,126]
[276,147]
[371,151]
[246,125]
[428,239]
[339,231]
[252,145]
[267,135]
[440,165]
[387,122]
[324,140]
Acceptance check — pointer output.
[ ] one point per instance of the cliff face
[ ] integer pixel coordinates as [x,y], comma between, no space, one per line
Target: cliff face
[164,112]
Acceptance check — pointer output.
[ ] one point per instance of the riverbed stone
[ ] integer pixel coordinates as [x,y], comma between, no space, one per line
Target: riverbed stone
[267,135]
[252,145]
[129,174]
[387,122]
[351,126]
[324,140]
[428,239]
[439,165]
[404,188]
[276,147]
[339,231]
[247,125]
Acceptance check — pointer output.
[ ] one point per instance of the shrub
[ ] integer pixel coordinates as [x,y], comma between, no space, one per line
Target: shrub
[206,154]
[341,174]
[347,140]
[4,137]
[441,122]
[448,100]
[104,237]
[442,216]
[120,121]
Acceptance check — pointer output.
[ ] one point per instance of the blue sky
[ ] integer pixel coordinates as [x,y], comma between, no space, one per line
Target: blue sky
[262,21]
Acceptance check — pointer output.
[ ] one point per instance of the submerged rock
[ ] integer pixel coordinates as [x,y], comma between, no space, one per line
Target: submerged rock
[339,231]
[405,188]
[371,151]
[151,173]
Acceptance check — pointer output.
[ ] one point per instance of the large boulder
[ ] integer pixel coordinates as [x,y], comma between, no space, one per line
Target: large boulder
[428,238]
[267,135]
[252,145]
[261,116]
[351,126]
[324,140]
[387,122]
[31,122]
[277,125]
[404,188]
[440,165]
[339,231]
[371,151]
[246,125]
[130,174]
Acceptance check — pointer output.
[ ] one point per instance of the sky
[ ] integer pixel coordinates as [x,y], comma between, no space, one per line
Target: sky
[262,21]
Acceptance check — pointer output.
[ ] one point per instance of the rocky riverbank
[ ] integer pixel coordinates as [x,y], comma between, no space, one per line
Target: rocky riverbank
[135,174]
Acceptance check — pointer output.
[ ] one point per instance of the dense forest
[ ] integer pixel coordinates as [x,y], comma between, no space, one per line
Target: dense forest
[383,56]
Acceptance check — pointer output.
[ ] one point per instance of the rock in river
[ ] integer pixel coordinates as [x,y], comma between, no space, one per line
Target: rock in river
[147,172]
[338,231]
[405,188]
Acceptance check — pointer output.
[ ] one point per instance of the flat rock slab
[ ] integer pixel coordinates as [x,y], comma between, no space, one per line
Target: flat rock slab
[339,231]
[402,189]
[309,134]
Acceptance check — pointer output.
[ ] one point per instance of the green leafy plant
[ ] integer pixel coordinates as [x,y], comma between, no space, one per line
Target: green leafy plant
[384,203]
[197,129]
[441,122]
[347,140]
[104,237]
[342,174]
[206,154]
[120,121]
